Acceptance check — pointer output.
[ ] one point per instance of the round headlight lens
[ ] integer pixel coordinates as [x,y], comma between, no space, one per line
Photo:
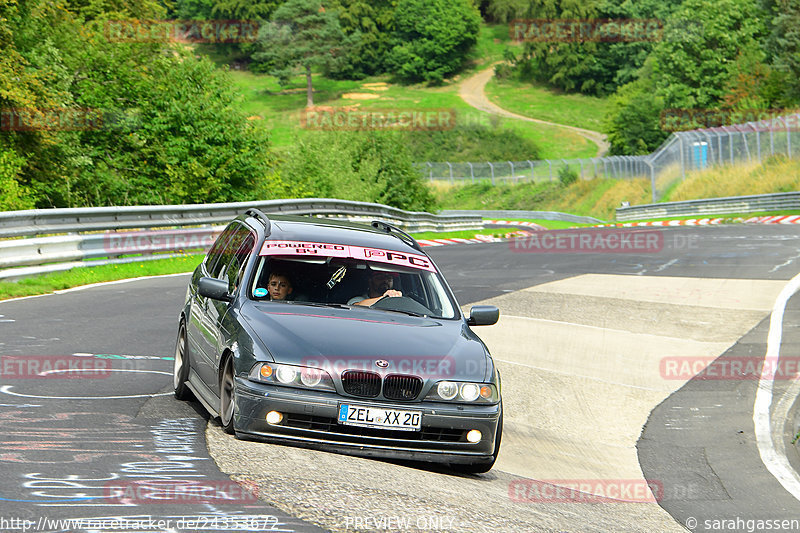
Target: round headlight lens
[447,390]
[286,374]
[310,377]
[266,371]
[469,391]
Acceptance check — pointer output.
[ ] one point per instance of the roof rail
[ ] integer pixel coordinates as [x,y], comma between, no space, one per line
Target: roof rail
[261,216]
[397,232]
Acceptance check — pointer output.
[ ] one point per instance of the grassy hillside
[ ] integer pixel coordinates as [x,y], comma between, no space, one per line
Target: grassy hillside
[600,197]
[548,104]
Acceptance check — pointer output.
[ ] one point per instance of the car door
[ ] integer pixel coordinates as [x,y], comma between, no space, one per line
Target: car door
[233,273]
[197,328]
[206,313]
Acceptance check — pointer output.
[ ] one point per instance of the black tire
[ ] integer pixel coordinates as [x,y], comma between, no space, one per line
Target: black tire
[482,468]
[227,397]
[180,366]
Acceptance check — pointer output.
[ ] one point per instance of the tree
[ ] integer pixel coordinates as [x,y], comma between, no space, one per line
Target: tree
[372,21]
[302,35]
[591,66]
[432,38]
[633,122]
[695,72]
[783,45]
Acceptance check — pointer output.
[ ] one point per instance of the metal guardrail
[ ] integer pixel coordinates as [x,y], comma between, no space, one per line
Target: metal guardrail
[540,215]
[55,221]
[106,237]
[714,206]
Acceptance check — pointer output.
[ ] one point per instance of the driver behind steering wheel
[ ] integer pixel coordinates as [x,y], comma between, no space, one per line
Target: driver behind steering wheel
[379,286]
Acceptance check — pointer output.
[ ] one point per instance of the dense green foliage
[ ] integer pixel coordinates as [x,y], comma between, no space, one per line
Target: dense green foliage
[431,38]
[373,167]
[167,129]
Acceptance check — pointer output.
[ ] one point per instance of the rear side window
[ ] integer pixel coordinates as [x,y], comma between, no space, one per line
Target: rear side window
[235,269]
[212,263]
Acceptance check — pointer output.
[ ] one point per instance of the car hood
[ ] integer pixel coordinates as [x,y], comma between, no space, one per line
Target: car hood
[367,339]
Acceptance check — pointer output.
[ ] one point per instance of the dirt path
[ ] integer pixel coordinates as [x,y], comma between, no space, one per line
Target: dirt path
[472,92]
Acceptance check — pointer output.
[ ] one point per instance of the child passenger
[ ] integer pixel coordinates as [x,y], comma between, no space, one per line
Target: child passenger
[279,286]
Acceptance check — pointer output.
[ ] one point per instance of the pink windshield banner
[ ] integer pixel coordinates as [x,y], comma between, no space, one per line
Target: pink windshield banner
[326,249]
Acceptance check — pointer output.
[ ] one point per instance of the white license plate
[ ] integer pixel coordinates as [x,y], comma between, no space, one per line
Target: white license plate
[379,417]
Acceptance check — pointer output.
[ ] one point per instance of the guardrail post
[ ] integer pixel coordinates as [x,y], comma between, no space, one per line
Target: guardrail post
[491,166]
[451,171]
[683,155]
[533,177]
[580,162]
[652,180]
[513,177]
[430,171]
[471,172]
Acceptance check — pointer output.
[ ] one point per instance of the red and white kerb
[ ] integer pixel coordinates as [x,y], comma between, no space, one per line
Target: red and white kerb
[303,248]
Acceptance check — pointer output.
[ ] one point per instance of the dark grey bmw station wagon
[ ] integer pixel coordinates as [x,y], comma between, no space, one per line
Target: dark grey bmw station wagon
[338,336]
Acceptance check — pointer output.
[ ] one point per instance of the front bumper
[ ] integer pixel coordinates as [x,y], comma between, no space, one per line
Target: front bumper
[310,420]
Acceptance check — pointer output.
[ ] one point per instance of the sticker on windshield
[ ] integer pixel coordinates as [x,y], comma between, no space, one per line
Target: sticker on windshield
[324,249]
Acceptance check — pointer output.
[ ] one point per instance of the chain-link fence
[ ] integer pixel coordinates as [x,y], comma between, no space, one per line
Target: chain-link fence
[681,153]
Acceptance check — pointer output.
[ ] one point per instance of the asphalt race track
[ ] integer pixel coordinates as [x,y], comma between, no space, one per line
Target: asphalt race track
[600,436]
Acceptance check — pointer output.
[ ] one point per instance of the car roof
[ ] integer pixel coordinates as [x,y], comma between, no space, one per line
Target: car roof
[312,229]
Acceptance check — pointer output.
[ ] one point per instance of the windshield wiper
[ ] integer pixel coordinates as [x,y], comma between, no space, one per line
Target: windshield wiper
[409,313]
[323,304]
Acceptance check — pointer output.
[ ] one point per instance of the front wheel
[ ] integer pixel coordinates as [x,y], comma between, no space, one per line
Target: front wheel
[180,366]
[227,396]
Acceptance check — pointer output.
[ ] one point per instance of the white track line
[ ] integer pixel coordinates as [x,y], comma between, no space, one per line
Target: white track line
[775,461]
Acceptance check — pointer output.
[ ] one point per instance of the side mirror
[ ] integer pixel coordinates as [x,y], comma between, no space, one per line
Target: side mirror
[483,315]
[214,288]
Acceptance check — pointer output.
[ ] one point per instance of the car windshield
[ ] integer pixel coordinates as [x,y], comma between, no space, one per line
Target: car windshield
[345,281]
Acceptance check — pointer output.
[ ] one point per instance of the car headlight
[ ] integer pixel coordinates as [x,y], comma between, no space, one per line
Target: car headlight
[466,392]
[291,376]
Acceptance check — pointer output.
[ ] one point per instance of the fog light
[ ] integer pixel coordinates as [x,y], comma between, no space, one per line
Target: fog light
[274,418]
[474,436]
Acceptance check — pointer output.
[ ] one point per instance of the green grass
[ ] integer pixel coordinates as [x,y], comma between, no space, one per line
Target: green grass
[280,109]
[75,277]
[493,39]
[536,101]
